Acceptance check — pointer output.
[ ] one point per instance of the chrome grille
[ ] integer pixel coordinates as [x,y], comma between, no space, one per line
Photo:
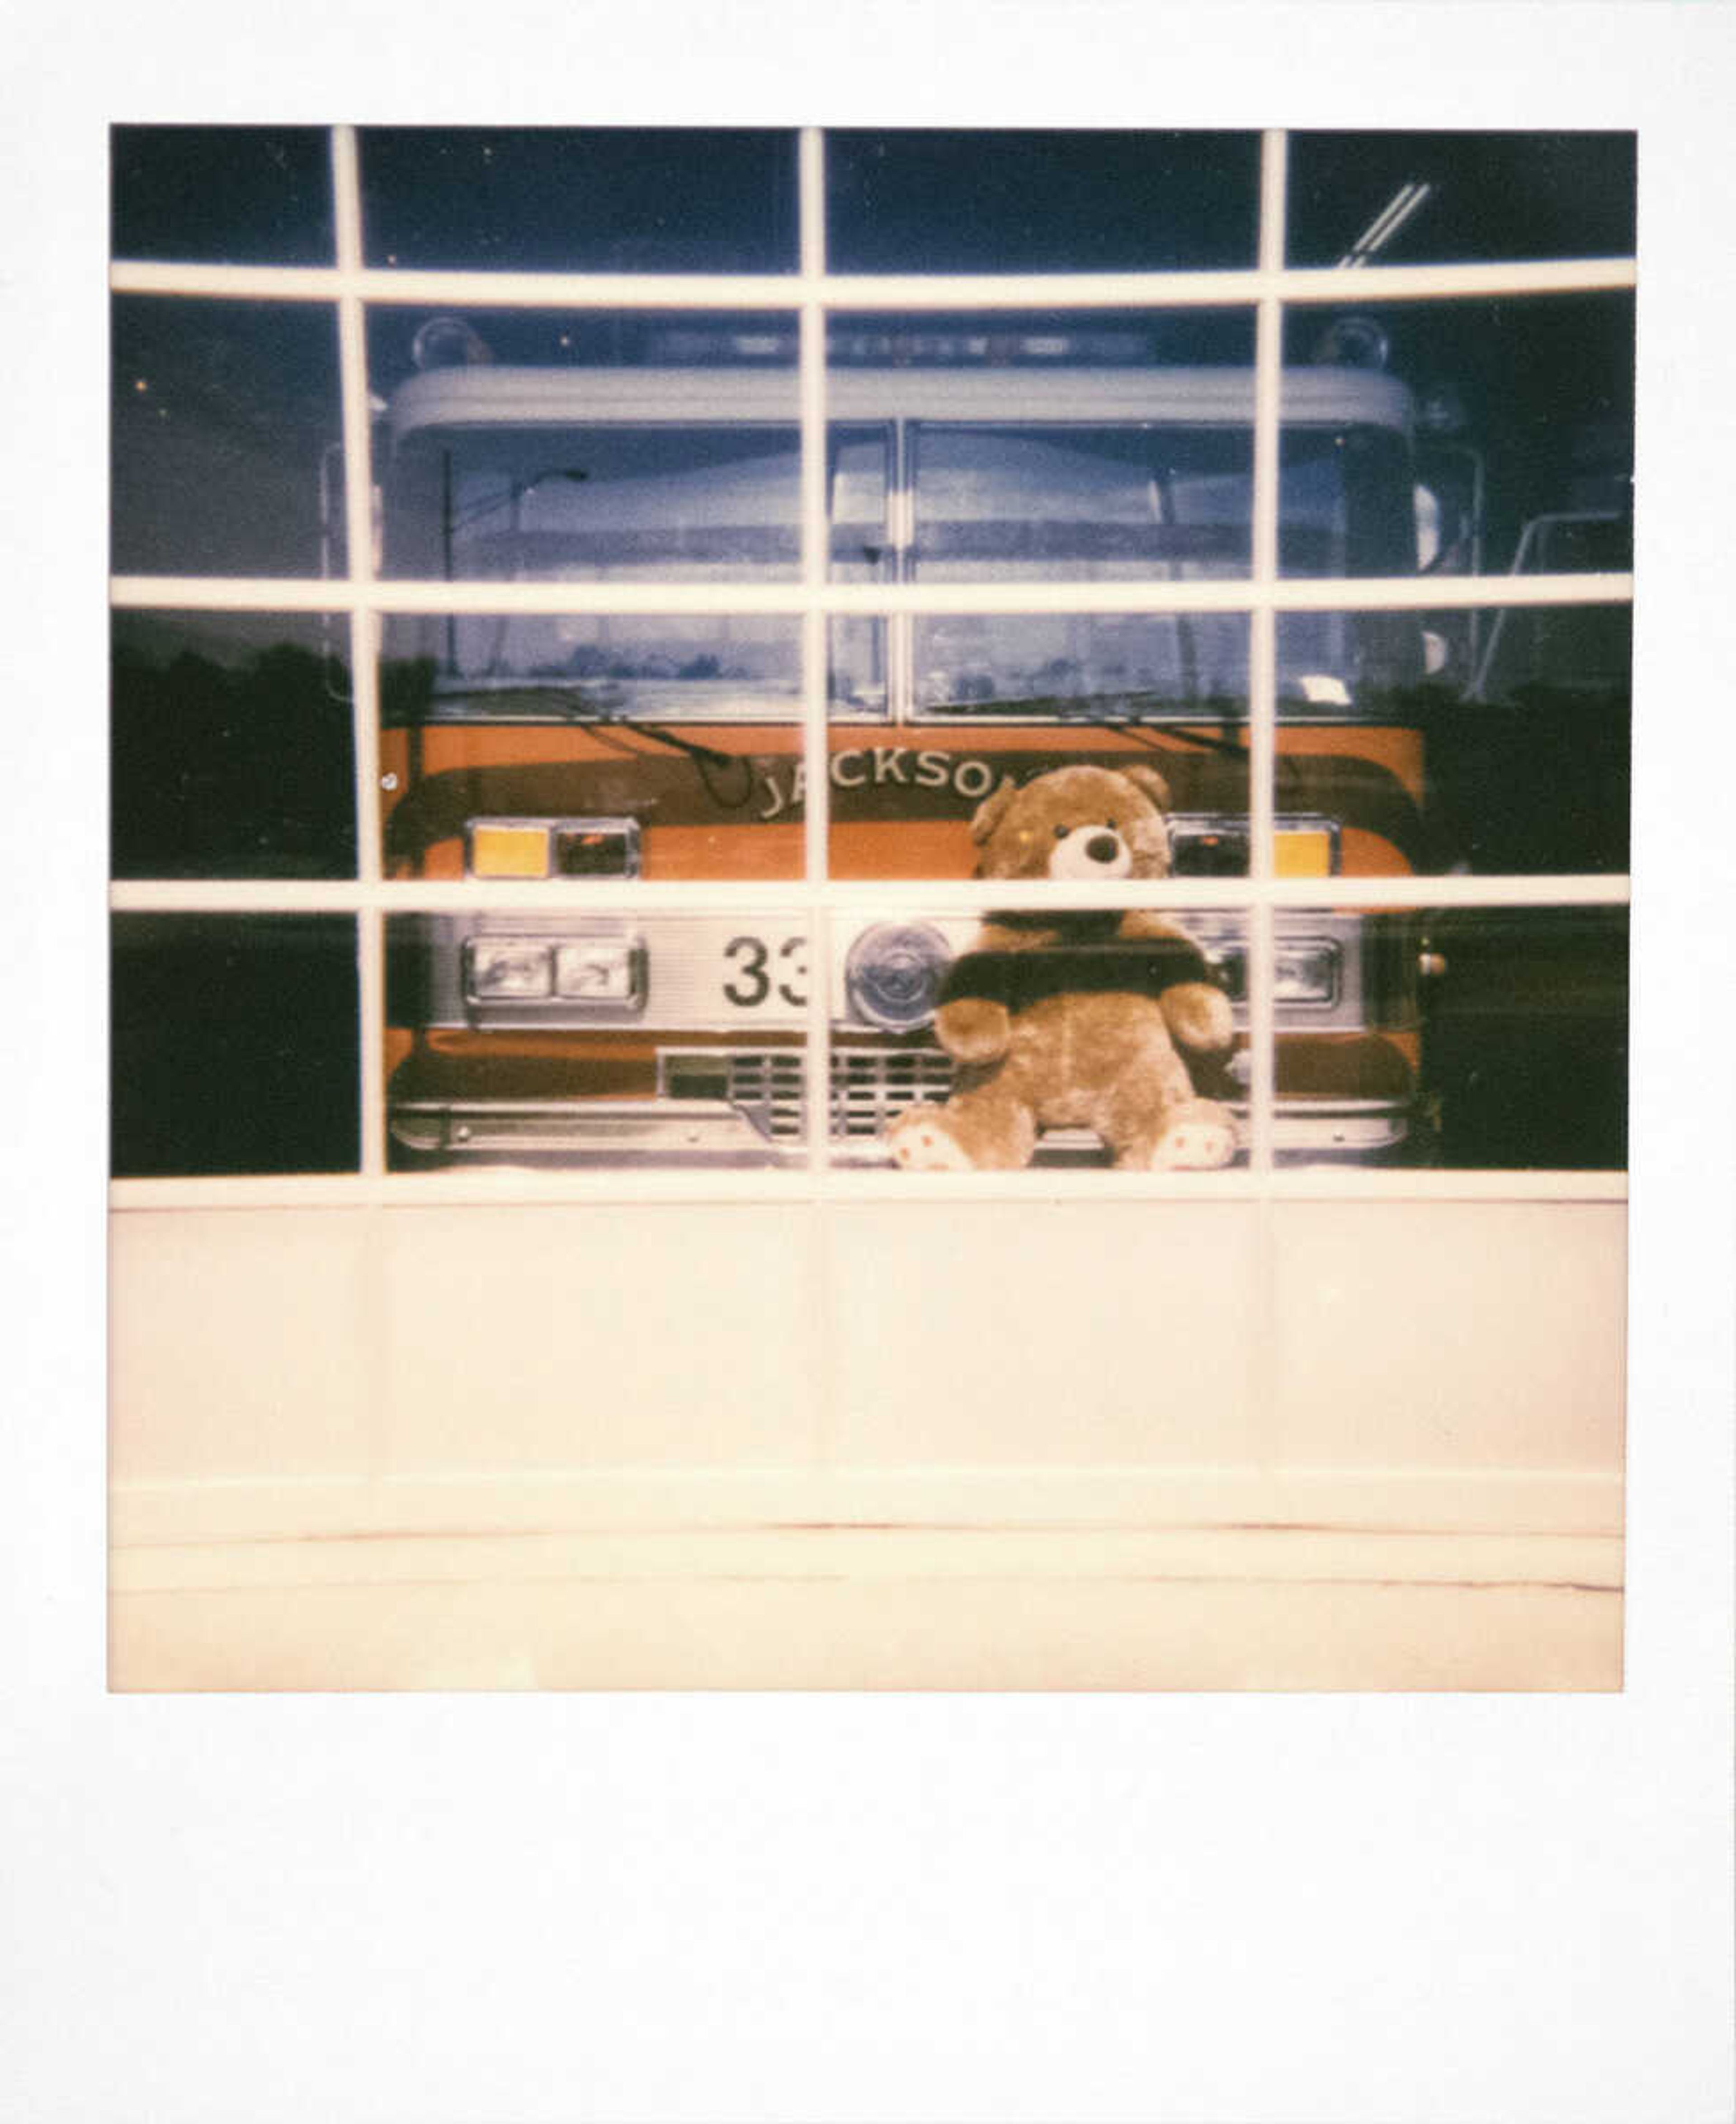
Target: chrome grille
[769,1085]
[870,1086]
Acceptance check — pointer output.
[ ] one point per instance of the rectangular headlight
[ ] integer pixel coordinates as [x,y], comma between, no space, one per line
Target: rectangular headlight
[1302,972]
[599,969]
[507,969]
[1306,973]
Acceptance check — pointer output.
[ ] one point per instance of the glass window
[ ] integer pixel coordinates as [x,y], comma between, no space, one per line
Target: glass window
[586,1039]
[1525,1037]
[620,199]
[1486,740]
[228,195]
[973,449]
[1443,199]
[233,1045]
[548,446]
[1522,416]
[1091,667]
[626,503]
[586,745]
[951,1030]
[231,748]
[1004,202]
[1080,503]
[225,427]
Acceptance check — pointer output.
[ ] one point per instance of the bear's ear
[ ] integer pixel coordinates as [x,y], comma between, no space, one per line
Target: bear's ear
[990,812]
[1150,782]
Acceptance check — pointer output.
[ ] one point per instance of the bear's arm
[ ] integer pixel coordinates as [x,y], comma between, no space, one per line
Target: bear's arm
[1198,1018]
[973,1022]
[1197,1012]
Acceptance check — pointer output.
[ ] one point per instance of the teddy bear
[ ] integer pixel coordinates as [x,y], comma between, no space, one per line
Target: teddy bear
[1075,1019]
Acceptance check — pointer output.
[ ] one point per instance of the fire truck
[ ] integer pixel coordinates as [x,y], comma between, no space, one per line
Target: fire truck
[576,748]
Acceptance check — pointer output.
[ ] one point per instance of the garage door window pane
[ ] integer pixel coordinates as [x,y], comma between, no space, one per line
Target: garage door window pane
[1005,202]
[233,1045]
[1447,199]
[624,198]
[233,754]
[223,194]
[223,415]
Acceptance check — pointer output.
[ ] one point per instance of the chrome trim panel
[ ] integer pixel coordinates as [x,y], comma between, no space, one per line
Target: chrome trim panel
[744,973]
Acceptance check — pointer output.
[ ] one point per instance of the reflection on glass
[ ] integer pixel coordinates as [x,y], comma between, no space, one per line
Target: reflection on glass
[591,668]
[860,482]
[628,503]
[225,418]
[1131,501]
[1521,414]
[1095,666]
[617,745]
[232,746]
[1496,741]
[1037,202]
[1444,199]
[230,194]
[233,1045]
[579,1038]
[1080,504]
[551,447]
[1524,1043]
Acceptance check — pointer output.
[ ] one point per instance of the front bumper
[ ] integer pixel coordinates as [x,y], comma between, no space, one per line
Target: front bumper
[752,1111]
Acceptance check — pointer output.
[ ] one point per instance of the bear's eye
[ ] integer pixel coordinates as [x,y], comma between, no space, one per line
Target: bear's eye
[1061,832]
[1110,824]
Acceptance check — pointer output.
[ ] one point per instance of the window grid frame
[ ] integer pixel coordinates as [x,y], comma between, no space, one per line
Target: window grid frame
[810,295]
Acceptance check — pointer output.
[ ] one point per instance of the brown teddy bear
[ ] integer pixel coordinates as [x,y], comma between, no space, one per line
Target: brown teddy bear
[1075,1019]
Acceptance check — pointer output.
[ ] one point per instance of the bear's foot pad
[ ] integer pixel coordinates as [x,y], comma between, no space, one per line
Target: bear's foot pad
[1201,1139]
[921,1142]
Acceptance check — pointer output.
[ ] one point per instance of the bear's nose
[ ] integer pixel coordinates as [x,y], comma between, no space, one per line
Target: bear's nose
[1103,847]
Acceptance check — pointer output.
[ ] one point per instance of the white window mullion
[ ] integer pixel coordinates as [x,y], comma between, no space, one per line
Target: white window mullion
[908,897]
[1260,946]
[363,631]
[815,549]
[490,289]
[1262,665]
[817,1340]
[1295,594]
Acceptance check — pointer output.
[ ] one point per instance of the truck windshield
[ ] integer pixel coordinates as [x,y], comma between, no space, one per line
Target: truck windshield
[995,502]
[1101,505]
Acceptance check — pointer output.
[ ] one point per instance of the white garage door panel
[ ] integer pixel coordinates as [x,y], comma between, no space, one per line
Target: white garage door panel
[1456,1336]
[1052,1334]
[621,1335]
[900,1345]
[240,1344]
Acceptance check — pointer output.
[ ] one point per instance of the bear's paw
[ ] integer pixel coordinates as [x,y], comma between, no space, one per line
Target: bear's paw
[919,1141]
[1201,1137]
